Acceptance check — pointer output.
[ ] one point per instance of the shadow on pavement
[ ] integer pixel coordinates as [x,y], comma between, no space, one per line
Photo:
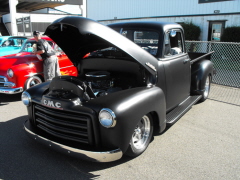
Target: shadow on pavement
[22,158]
[6,98]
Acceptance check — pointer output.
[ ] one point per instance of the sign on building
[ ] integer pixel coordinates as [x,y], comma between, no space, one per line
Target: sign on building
[24,26]
[73,2]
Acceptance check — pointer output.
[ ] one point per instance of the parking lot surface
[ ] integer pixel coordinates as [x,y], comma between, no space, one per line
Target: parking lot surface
[203,144]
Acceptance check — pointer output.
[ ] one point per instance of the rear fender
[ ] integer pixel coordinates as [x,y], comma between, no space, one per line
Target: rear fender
[199,72]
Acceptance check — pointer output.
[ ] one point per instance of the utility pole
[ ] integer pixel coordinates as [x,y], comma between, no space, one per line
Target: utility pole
[13,13]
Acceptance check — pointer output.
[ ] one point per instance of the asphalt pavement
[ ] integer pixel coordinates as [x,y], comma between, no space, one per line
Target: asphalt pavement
[203,144]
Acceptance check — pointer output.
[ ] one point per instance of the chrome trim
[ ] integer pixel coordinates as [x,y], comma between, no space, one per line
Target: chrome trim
[8,90]
[66,67]
[11,90]
[112,114]
[5,79]
[89,75]
[151,66]
[106,156]
[29,99]
[8,84]
[31,74]
[9,71]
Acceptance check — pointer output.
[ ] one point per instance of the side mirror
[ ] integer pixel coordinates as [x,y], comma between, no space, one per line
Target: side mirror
[173,33]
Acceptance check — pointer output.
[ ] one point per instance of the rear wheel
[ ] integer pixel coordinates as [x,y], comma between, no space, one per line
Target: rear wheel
[32,81]
[141,136]
[206,91]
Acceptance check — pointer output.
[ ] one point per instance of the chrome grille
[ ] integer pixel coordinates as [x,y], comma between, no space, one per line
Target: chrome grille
[3,79]
[65,125]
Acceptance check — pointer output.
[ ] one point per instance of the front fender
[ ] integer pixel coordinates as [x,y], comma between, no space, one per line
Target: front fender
[199,72]
[22,72]
[129,107]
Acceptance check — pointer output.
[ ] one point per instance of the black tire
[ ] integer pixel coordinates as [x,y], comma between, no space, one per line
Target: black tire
[206,91]
[141,136]
[33,81]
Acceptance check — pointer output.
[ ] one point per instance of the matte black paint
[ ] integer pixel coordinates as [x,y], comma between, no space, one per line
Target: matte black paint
[200,70]
[170,84]
[177,75]
[129,107]
[79,35]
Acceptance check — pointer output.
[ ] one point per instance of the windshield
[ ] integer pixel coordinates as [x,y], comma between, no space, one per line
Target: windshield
[14,42]
[31,45]
[110,52]
[147,40]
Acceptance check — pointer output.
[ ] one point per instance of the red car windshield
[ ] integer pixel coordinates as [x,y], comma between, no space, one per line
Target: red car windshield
[29,46]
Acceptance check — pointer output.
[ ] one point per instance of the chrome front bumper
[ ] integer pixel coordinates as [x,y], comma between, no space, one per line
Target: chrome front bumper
[7,90]
[106,156]
[6,86]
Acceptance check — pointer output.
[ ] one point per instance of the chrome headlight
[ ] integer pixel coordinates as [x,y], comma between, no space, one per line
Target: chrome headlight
[10,73]
[26,98]
[107,118]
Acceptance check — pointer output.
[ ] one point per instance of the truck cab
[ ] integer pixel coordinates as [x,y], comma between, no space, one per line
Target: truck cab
[134,78]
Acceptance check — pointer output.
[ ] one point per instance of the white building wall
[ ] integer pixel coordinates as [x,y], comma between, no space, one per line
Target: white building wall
[35,18]
[109,9]
[165,10]
[201,21]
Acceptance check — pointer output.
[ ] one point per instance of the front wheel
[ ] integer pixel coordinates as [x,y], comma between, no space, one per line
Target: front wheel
[206,91]
[32,81]
[141,136]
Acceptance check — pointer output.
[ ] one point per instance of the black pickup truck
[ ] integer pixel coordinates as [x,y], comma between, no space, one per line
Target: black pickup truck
[134,78]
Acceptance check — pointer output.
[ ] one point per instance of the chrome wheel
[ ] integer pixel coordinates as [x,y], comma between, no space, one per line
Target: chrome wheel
[206,91]
[141,137]
[33,81]
[207,88]
[141,133]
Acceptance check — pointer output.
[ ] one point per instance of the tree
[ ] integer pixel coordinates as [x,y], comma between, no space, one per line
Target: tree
[192,31]
[231,34]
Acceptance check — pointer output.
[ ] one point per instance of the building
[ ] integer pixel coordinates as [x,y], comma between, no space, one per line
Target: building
[212,16]
[22,17]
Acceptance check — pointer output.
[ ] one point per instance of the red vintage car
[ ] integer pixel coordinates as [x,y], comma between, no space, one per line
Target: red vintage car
[23,70]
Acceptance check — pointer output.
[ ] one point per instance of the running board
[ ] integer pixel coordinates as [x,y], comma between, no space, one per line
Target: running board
[181,109]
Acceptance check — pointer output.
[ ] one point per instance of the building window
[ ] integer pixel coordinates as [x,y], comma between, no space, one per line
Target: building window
[211,1]
[215,30]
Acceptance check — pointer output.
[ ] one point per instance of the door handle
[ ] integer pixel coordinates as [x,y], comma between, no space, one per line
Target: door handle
[185,61]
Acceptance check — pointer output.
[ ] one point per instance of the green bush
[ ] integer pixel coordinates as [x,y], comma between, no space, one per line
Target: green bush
[192,31]
[231,34]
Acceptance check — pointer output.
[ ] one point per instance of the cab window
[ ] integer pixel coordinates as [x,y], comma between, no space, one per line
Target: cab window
[173,43]
[148,40]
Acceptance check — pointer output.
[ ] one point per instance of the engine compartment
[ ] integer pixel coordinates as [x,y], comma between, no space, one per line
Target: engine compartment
[93,83]
[101,83]
[100,73]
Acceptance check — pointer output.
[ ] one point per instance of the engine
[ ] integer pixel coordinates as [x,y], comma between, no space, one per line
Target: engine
[101,83]
[94,84]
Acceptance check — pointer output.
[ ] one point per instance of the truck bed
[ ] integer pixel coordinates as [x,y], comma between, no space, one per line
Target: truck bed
[196,56]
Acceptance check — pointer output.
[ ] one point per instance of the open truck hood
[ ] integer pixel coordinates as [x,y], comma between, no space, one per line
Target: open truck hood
[78,36]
